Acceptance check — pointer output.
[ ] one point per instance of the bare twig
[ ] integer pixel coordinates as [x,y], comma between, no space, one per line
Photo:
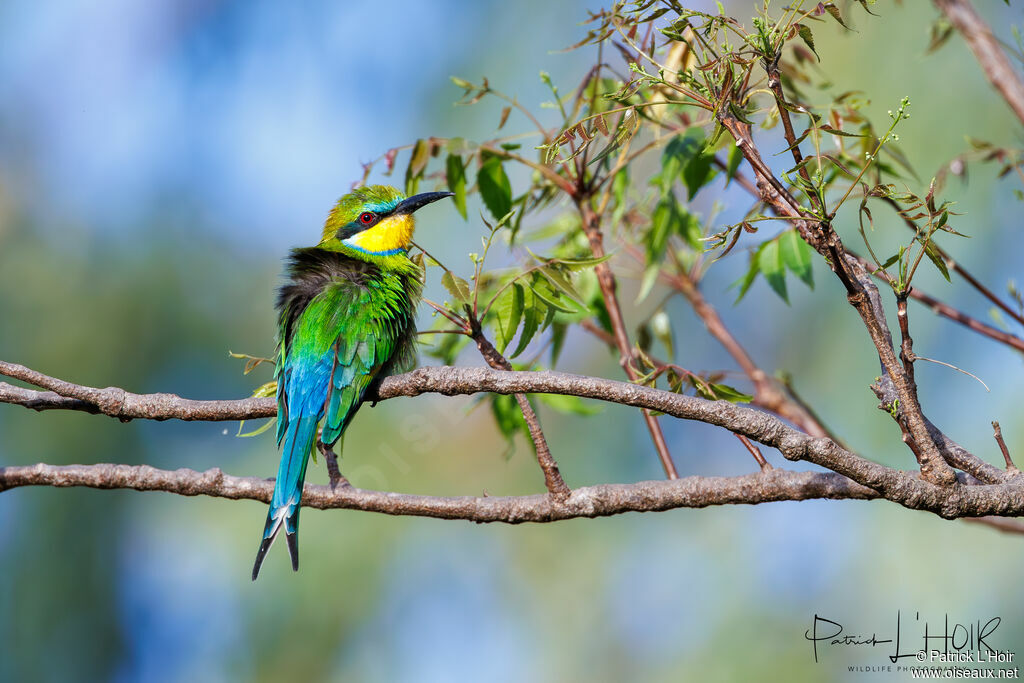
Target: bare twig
[1007,526]
[606,280]
[946,310]
[552,477]
[754,451]
[998,434]
[983,44]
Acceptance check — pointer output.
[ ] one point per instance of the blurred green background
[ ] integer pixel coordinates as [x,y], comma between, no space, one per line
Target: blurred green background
[156,161]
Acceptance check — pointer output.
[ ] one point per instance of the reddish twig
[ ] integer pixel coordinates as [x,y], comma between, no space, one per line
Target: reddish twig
[552,476]
[606,281]
[754,451]
[998,70]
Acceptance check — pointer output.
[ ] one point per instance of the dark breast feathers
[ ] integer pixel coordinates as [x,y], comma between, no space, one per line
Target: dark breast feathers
[310,270]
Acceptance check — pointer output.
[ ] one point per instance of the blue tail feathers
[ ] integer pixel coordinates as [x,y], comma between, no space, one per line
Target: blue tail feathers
[285,503]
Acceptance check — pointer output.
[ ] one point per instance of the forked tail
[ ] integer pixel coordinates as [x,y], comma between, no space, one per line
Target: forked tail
[284,506]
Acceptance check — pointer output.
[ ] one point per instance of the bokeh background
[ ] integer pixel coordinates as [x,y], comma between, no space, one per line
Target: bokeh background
[157,159]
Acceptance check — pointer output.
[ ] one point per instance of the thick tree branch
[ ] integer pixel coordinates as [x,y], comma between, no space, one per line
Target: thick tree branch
[589,501]
[1005,498]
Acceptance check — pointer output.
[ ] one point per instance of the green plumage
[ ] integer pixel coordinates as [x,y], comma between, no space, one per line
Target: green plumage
[347,319]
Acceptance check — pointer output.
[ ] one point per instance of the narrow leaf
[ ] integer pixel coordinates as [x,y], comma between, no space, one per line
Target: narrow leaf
[534,312]
[933,256]
[509,310]
[796,254]
[773,268]
[456,172]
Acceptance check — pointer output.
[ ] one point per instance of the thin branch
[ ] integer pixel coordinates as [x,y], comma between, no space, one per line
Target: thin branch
[862,294]
[766,393]
[955,266]
[983,44]
[1007,526]
[552,477]
[754,451]
[946,310]
[998,434]
[606,281]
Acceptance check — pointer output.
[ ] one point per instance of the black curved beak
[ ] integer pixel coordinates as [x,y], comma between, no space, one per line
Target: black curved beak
[418,201]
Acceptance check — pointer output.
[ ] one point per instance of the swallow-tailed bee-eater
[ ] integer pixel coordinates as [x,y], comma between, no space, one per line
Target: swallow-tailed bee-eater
[347,318]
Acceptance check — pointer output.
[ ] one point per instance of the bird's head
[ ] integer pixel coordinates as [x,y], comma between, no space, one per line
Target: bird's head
[374,220]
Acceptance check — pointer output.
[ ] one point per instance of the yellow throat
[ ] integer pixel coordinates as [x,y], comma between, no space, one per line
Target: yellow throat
[388,236]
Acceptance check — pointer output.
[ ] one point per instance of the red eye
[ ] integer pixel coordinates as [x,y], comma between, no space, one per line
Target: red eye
[366,218]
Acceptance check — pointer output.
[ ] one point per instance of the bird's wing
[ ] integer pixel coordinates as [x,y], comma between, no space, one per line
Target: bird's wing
[366,342]
[334,349]
[310,341]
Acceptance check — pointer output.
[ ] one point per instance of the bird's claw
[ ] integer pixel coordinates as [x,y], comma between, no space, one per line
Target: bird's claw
[336,478]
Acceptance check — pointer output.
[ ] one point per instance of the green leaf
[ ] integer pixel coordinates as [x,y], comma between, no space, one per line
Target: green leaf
[675,154]
[797,256]
[689,229]
[772,267]
[558,331]
[751,274]
[724,392]
[698,172]
[495,188]
[562,284]
[456,172]
[661,228]
[933,256]
[572,405]
[671,218]
[509,311]
[262,391]
[545,293]
[256,432]
[534,312]
[834,11]
[417,163]
[509,419]
[457,287]
[735,157]
[687,156]
[807,37]
[647,282]
[579,263]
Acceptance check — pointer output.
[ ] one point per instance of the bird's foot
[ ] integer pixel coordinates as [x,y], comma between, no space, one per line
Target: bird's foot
[336,478]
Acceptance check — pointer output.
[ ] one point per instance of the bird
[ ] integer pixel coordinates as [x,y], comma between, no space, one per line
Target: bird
[346,318]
